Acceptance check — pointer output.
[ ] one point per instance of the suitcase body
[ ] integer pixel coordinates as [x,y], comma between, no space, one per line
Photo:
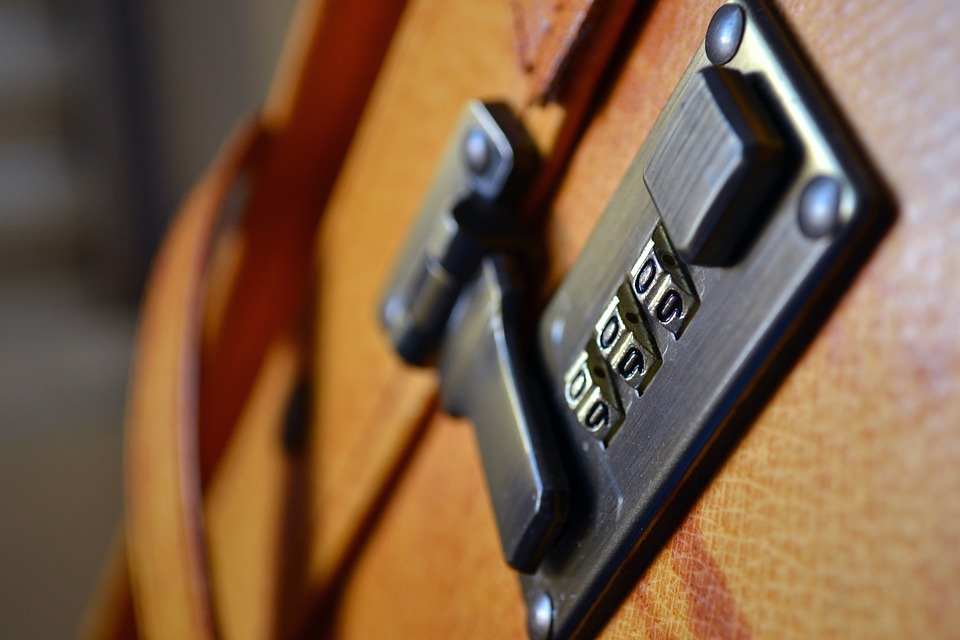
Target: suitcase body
[834,516]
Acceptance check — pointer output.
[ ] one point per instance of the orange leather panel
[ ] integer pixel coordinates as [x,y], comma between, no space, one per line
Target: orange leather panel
[369,408]
[416,580]
[836,516]
[562,44]
[164,522]
[311,120]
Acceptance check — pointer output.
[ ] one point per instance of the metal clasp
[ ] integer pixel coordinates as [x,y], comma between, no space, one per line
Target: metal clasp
[454,301]
[677,319]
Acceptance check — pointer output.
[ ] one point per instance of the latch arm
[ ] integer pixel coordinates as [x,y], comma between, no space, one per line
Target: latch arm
[453,300]
[483,376]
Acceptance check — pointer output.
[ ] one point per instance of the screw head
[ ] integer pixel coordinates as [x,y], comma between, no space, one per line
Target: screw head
[724,34]
[540,617]
[819,212]
[476,151]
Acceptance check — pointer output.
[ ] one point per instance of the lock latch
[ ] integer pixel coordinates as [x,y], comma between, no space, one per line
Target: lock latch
[454,302]
[682,313]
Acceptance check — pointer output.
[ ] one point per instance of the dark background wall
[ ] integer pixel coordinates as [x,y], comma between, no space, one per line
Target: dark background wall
[108,110]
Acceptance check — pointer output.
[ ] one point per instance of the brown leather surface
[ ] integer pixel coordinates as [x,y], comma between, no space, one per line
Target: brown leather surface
[311,119]
[369,408]
[561,42]
[189,386]
[422,582]
[165,542]
[836,515]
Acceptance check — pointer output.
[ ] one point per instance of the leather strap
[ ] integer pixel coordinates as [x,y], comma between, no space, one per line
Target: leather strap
[186,394]
[194,370]
[312,119]
[164,516]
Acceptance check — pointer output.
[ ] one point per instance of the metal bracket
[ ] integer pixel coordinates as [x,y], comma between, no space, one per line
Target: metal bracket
[454,298]
[745,200]
[483,376]
[469,209]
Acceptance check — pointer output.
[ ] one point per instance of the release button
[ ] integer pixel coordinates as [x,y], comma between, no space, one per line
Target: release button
[714,165]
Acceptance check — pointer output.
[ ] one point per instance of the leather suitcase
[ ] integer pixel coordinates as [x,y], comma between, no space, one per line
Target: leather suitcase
[835,515]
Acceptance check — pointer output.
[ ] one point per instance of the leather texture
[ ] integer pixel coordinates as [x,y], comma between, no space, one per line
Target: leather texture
[835,516]
[562,41]
[164,518]
[193,370]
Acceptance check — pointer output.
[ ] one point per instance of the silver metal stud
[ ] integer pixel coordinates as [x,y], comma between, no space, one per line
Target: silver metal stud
[540,617]
[724,34]
[476,151]
[819,213]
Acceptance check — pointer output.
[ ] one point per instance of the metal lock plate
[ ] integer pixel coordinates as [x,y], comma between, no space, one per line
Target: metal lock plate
[745,199]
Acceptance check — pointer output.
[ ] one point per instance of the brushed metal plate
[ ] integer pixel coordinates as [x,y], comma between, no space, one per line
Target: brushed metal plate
[630,488]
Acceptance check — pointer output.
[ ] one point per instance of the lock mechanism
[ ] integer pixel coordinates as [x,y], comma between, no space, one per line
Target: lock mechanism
[454,301]
[745,208]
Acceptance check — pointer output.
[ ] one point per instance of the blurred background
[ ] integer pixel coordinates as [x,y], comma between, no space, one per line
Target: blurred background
[109,109]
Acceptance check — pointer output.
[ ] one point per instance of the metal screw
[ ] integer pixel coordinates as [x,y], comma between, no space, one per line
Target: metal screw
[724,34]
[476,151]
[819,212]
[540,617]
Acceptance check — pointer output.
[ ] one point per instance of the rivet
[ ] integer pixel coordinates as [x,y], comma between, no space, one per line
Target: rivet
[296,418]
[476,151]
[724,34]
[819,212]
[540,617]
